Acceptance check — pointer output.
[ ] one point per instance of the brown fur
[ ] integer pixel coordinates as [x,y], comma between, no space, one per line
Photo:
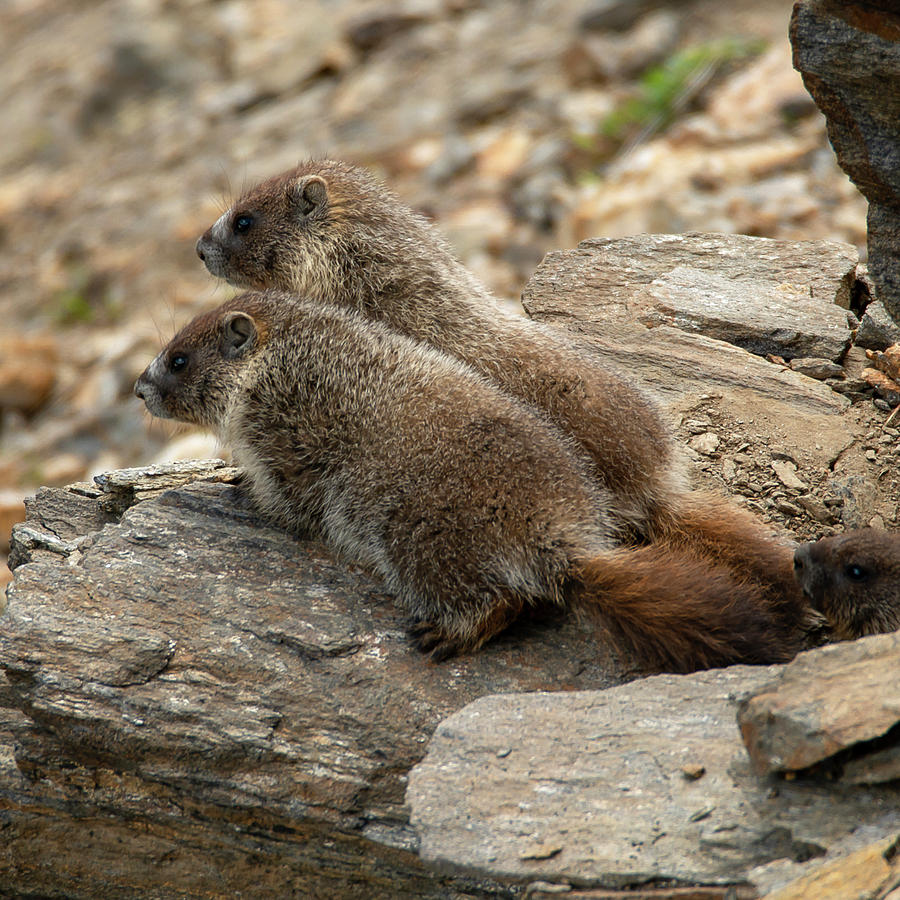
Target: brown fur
[470,506]
[853,579]
[330,231]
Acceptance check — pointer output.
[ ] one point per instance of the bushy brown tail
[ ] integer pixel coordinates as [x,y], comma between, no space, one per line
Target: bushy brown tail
[716,529]
[678,613]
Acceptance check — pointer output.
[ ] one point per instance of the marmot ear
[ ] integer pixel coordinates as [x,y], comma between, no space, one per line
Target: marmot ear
[238,334]
[309,193]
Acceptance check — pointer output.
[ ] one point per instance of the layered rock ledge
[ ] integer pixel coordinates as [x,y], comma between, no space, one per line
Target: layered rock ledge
[193,704]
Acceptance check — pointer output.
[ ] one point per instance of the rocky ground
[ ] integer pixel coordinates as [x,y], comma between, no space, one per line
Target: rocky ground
[519,127]
[257,723]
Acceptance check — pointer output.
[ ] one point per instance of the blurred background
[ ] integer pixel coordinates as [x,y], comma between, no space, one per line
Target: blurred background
[518,127]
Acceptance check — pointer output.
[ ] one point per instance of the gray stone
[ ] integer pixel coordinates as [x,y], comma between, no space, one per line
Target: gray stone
[859,498]
[816,509]
[849,57]
[817,368]
[191,698]
[706,443]
[612,292]
[598,294]
[871,872]
[877,330]
[787,475]
[589,787]
[766,296]
[125,487]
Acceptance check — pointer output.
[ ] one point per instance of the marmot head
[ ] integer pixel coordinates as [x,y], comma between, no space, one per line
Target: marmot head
[193,377]
[314,230]
[854,580]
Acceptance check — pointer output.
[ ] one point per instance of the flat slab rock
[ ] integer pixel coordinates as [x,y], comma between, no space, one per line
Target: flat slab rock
[788,298]
[845,698]
[192,699]
[602,787]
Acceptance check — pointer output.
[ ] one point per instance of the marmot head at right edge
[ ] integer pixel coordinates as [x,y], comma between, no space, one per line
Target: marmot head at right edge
[853,579]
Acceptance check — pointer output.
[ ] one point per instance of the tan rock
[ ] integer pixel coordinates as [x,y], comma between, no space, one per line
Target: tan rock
[27,371]
[63,468]
[861,874]
[12,510]
[505,154]
[826,701]
[740,109]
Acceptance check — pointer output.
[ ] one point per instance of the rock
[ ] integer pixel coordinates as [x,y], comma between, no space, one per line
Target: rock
[706,443]
[865,873]
[887,362]
[376,25]
[504,155]
[816,509]
[185,684]
[854,361]
[592,790]
[877,330]
[126,487]
[27,372]
[12,510]
[274,52]
[602,291]
[826,701]
[598,58]
[700,177]
[789,509]
[614,15]
[849,57]
[738,108]
[751,292]
[787,475]
[884,387]
[851,387]
[57,521]
[859,500]
[61,521]
[817,368]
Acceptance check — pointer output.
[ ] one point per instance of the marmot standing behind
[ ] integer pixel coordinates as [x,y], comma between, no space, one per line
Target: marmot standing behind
[469,505]
[329,231]
[853,579]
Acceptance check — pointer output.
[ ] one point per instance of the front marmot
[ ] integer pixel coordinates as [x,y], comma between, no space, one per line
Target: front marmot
[469,505]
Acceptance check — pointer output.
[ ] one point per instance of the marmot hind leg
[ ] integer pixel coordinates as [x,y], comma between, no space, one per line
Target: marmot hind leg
[464,633]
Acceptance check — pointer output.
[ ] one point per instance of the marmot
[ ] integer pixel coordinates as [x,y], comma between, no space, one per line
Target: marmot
[470,506]
[330,231]
[853,579]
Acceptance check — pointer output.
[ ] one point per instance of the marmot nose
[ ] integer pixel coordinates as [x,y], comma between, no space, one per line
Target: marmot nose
[200,250]
[139,389]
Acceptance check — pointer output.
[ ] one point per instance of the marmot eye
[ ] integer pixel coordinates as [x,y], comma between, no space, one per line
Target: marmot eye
[855,572]
[177,363]
[242,223]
